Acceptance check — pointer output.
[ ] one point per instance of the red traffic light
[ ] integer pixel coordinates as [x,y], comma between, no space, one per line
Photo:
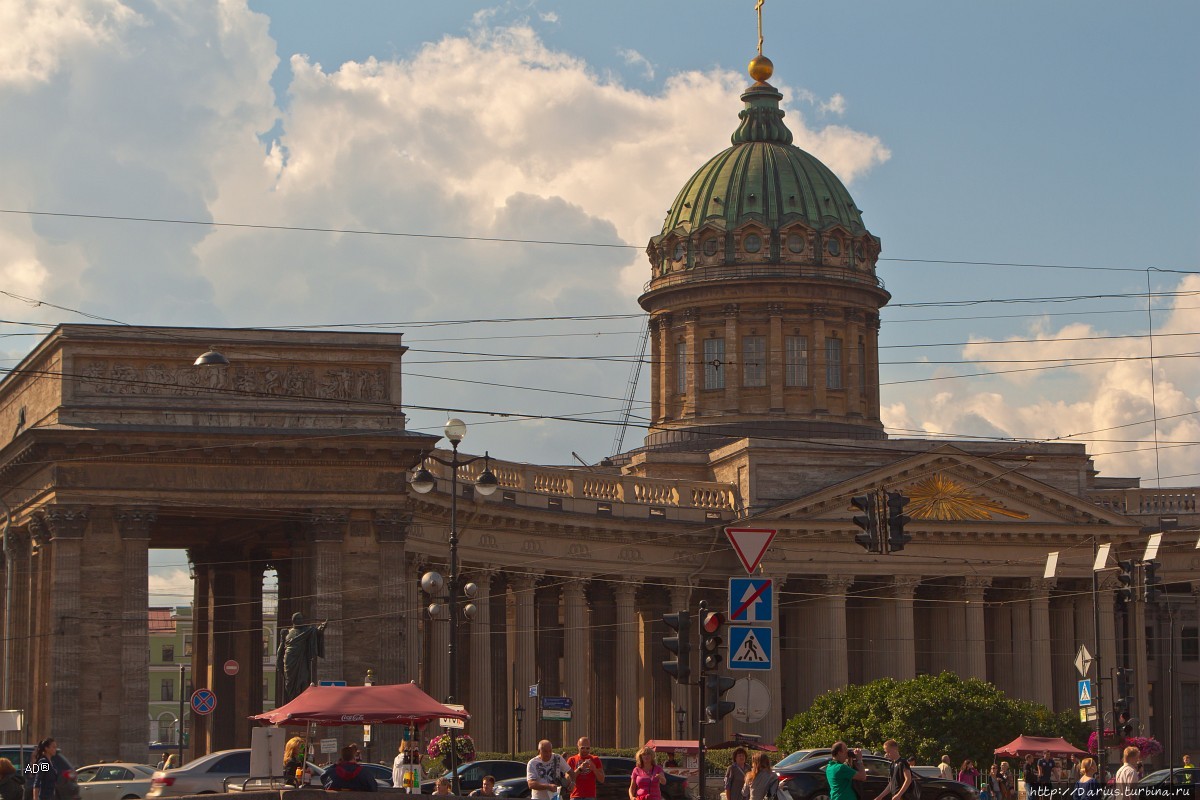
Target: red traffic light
[713,622]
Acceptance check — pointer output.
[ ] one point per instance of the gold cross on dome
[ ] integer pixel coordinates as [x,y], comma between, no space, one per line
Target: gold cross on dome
[758,8]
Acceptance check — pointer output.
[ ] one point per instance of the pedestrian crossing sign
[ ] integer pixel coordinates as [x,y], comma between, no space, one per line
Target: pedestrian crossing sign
[750,648]
[1085,693]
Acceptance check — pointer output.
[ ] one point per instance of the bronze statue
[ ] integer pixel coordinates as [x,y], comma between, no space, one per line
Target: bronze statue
[295,660]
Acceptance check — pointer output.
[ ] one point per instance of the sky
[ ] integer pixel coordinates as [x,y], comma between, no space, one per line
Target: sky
[976,137]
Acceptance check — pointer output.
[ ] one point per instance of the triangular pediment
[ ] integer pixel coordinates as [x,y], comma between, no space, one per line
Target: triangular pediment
[950,487]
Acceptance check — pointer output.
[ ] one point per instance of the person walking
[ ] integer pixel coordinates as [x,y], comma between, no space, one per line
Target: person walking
[845,767]
[1088,786]
[902,785]
[995,783]
[45,781]
[1031,777]
[760,782]
[735,776]
[945,771]
[648,778]
[968,774]
[547,772]
[1045,772]
[12,784]
[588,770]
[1126,778]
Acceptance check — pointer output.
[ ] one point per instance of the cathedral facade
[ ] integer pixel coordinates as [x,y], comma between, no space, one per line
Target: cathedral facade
[763,302]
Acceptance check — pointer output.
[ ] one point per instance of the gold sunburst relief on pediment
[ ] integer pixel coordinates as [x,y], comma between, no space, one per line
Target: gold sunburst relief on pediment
[941,498]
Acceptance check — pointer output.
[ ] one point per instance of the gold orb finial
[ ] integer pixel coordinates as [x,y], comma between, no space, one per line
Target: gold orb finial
[761,68]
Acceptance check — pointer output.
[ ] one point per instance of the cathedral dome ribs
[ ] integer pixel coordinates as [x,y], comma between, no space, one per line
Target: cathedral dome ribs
[763,296]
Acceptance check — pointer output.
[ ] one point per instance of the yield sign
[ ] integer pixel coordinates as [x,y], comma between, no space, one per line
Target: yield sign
[1083,661]
[750,544]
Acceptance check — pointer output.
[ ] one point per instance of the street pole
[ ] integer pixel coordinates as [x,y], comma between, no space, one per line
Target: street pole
[182,686]
[454,607]
[1097,696]
[702,713]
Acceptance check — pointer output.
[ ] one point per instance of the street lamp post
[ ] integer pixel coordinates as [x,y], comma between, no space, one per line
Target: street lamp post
[680,721]
[367,730]
[518,715]
[423,482]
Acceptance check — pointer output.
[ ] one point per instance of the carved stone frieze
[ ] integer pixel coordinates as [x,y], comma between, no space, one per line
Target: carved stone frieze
[391,526]
[65,522]
[101,377]
[328,525]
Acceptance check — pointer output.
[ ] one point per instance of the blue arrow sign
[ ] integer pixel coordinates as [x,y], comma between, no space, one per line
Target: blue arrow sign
[203,701]
[750,648]
[1085,693]
[751,600]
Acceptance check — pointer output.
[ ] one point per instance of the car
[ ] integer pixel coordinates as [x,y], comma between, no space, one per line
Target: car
[926,772]
[204,775]
[617,772]
[806,781]
[22,754]
[313,774]
[471,774]
[117,781]
[792,759]
[1159,784]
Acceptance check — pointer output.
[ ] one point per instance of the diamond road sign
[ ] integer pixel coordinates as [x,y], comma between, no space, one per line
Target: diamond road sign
[1083,661]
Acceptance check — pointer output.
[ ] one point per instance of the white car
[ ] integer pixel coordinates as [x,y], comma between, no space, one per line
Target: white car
[114,781]
[205,775]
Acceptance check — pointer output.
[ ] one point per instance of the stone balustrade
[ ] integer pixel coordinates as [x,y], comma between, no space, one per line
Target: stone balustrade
[1148,502]
[584,491]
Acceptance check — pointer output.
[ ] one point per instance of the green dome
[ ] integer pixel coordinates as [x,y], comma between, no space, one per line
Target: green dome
[765,178]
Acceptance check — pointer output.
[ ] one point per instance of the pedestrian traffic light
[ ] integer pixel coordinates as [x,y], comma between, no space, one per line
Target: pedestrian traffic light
[897,538]
[680,667]
[1125,579]
[716,709]
[1151,582]
[868,539]
[710,641]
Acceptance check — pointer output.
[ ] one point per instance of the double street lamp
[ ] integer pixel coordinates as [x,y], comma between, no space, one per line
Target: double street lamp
[423,482]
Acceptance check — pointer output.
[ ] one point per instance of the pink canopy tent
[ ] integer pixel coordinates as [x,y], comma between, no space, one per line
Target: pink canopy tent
[1023,745]
[393,704]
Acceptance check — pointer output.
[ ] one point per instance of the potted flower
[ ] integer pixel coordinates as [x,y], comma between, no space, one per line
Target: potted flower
[439,747]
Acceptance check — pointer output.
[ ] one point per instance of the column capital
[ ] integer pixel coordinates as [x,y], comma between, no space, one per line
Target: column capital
[904,586]
[65,521]
[836,584]
[135,523]
[391,525]
[775,309]
[327,524]
[976,582]
[625,591]
[524,581]
[1039,588]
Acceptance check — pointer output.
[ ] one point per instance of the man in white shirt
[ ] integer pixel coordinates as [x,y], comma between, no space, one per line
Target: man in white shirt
[945,770]
[547,772]
[1126,778]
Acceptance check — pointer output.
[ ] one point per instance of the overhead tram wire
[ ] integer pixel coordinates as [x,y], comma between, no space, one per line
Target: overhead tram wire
[513,240]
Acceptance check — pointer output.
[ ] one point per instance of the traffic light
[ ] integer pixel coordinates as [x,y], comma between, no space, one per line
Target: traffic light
[1125,579]
[710,642]
[897,538]
[716,709]
[680,667]
[1122,701]
[1151,582]
[868,539]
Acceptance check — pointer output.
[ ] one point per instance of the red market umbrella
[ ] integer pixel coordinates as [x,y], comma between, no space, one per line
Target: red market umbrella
[392,704]
[1023,745]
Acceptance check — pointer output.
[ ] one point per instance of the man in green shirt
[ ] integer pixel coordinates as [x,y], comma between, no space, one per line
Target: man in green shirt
[845,768]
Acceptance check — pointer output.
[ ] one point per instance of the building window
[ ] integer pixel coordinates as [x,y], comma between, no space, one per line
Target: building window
[796,361]
[714,361]
[681,375]
[168,654]
[833,363]
[1189,705]
[187,645]
[1189,645]
[166,690]
[754,361]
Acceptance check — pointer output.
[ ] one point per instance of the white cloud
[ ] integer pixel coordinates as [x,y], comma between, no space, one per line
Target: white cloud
[169,587]
[548,16]
[635,59]
[834,105]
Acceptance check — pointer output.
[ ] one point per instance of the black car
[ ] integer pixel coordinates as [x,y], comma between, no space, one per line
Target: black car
[22,755]
[618,771]
[1159,784]
[471,774]
[806,781]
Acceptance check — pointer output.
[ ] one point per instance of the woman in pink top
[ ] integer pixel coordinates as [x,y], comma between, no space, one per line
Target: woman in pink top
[648,777]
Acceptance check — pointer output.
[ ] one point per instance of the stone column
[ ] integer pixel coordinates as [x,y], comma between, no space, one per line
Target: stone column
[817,357]
[482,696]
[201,611]
[1062,651]
[663,377]
[328,529]
[1041,672]
[832,663]
[1003,666]
[956,645]
[438,630]
[67,525]
[524,589]
[903,633]
[628,666]
[391,529]
[856,391]
[871,368]
[134,526]
[1139,660]
[776,357]
[18,560]
[414,616]
[733,356]
[549,650]
[976,660]
[691,323]
[681,695]
[1108,626]
[1022,650]
[577,654]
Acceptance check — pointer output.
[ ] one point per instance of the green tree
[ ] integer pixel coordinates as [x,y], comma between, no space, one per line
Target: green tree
[929,715]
